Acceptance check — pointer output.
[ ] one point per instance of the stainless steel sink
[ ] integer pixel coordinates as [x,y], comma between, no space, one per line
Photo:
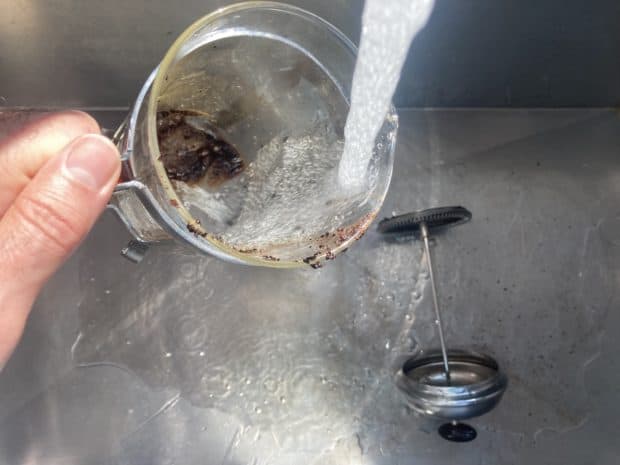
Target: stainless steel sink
[185,359]
[188,360]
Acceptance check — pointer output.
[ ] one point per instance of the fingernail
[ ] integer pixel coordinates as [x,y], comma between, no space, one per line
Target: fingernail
[92,161]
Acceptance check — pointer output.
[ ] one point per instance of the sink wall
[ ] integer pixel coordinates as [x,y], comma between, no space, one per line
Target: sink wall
[555,53]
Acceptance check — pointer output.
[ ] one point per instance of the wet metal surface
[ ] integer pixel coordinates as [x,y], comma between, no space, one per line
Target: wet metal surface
[185,359]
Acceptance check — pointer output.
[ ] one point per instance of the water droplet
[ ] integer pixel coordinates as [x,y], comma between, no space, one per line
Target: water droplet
[168,354]
[258,410]
[323,380]
[228,387]
[283,400]
[416,295]
[130,411]
[387,344]
[248,381]
[270,385]
[241,394]
[128,342]
[107,291]
[407,316]
[201,353]
[204,428]
[92,279]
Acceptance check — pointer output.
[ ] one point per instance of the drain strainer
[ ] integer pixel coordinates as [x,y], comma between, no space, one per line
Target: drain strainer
[475,386]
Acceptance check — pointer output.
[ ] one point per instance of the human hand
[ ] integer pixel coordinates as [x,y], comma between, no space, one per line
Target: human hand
[56,176]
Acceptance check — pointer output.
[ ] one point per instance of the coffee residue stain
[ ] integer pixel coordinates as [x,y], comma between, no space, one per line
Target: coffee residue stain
[190,154]
[194,228]
[329,241]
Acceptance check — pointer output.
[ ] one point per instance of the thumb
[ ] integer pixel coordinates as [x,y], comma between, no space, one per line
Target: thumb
[48,219]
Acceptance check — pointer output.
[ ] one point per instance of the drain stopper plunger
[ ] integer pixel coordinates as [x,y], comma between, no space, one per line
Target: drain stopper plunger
[454,385]
[421,222]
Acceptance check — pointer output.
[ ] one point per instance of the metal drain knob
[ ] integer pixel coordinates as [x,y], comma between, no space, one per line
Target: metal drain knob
[457,432]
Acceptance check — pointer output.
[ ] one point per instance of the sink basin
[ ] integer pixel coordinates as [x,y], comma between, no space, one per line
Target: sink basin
[187,359]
